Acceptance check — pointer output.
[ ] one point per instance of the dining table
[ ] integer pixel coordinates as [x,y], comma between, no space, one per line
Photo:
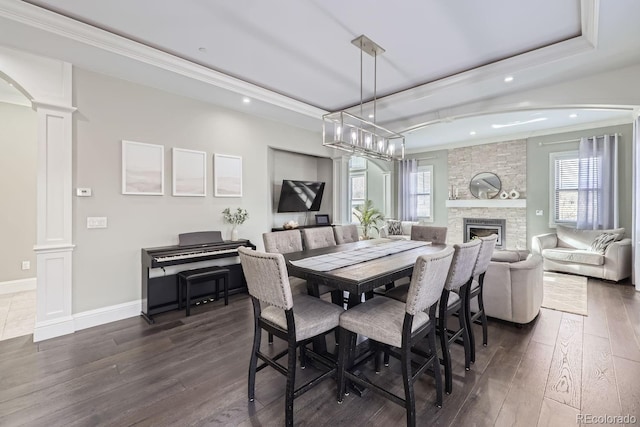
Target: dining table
[357,268]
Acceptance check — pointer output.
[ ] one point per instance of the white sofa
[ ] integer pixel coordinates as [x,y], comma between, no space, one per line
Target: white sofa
[569,251]
[513,287]
[406,230]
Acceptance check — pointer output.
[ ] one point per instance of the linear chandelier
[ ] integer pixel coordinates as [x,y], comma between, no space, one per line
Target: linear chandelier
[348,132]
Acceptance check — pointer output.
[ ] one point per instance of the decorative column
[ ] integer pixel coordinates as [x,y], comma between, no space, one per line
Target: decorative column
[54,221]
[341,190]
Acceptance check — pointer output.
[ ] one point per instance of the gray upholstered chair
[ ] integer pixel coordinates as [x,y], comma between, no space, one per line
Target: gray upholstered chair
[452,303]
[346,233]
[395,327]
[484,258]
[318,237]
[284,242]
[427,233]
[297,319]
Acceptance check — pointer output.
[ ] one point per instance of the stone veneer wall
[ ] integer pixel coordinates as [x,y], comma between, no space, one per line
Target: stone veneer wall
[508,160]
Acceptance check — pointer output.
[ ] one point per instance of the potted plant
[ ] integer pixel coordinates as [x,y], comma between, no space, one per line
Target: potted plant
[235,218]
[369,217]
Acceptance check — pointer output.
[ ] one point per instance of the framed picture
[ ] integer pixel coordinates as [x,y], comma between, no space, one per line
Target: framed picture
[322,219]
[142,168]
[228,175]
[189,172]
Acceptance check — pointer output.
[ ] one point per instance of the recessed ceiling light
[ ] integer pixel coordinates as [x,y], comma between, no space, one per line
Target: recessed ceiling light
[473,132]
[518,123]
[246,100]
[573,116]
[508,79]
[371,116]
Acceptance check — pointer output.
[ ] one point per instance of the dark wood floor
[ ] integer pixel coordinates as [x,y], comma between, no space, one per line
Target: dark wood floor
[193,371]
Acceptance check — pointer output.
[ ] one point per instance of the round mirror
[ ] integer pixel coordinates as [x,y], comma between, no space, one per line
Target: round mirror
[485,185]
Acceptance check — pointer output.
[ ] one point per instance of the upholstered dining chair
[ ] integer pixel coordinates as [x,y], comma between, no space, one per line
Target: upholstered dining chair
[284,242]
[396,327]
[452,303]
[346,233]
[427,233]
[296,319]
[487,247]
[318,237]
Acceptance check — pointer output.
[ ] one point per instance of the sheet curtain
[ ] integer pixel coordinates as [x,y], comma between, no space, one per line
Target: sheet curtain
[407,201]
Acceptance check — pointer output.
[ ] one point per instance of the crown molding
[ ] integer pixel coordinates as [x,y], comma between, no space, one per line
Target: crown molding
[65,27]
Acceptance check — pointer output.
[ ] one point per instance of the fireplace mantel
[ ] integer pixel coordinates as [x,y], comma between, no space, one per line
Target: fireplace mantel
[487,203]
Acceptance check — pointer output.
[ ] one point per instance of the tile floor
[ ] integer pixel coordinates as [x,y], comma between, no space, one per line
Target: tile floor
[17,314]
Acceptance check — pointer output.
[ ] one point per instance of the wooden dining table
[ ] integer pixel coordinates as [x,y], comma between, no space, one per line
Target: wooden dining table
[363,277]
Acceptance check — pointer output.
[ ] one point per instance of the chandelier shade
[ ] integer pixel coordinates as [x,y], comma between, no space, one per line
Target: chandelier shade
[347,132]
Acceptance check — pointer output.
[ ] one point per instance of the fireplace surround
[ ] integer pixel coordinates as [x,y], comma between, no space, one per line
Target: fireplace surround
[483,227]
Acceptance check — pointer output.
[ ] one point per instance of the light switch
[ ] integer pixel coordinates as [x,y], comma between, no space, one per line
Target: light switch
[97,222]
[539,212]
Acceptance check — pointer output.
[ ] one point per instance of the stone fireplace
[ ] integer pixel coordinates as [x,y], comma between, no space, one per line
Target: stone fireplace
[483,227]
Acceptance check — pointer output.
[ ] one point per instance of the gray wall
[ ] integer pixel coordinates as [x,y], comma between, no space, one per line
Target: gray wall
[106,267]
[538,175]
[18,173]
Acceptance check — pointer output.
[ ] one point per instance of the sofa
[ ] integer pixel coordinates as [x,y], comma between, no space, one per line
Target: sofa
[573,251]
[404,233]
[513,286]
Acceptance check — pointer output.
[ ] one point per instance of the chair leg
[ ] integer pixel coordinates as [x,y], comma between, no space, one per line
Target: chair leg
[270,339]
[303,356]
[472,339]
[409,395]
[291,382]
[253,362]
[462,320]
[386,359]
[446,356]
[343,354]
[483,319]
[436,367]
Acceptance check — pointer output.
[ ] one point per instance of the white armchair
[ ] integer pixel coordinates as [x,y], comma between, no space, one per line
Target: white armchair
[569,251]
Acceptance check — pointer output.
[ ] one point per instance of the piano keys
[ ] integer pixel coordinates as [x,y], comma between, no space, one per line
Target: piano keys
[195,250]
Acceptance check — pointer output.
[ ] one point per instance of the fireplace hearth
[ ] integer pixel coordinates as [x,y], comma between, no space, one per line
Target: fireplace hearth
[483,227]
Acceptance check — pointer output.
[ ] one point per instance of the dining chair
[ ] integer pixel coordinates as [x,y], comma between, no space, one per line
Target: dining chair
[346,233]
[318,237]
[284,242]
[487,247]
[296,319]
[427,233]
[451,303]
[395,327]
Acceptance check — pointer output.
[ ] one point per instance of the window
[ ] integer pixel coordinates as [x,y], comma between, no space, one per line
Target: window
[564,191]
[424,197]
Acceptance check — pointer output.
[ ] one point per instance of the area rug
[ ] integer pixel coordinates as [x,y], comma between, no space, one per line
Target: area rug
[565,292]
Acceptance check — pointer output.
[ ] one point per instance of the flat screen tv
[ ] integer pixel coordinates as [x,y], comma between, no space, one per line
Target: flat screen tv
[300,196]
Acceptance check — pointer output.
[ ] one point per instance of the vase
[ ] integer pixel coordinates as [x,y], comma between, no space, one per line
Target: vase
[234,233]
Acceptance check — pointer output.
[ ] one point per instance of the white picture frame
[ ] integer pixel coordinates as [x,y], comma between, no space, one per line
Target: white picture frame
[142,168]
[189,172]
[227,175]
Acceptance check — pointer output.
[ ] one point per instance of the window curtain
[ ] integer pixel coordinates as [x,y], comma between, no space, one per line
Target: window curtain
[407,202]
[598,183]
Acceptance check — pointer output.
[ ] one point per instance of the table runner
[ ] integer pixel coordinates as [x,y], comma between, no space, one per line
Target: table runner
[335,260]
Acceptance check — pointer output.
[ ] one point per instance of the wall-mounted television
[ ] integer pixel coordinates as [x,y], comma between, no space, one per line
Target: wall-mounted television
[300,196]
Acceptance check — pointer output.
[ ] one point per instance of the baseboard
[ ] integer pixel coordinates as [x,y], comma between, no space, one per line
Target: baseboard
[53,328]
[21,285]
[100,316]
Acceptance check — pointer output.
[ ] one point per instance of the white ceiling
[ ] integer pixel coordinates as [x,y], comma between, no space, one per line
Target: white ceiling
[438,55]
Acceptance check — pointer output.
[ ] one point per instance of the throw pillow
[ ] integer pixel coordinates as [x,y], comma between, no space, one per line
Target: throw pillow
[602,242]
[394,228]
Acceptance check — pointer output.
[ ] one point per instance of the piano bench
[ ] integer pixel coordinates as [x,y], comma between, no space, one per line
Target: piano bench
[189,277]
